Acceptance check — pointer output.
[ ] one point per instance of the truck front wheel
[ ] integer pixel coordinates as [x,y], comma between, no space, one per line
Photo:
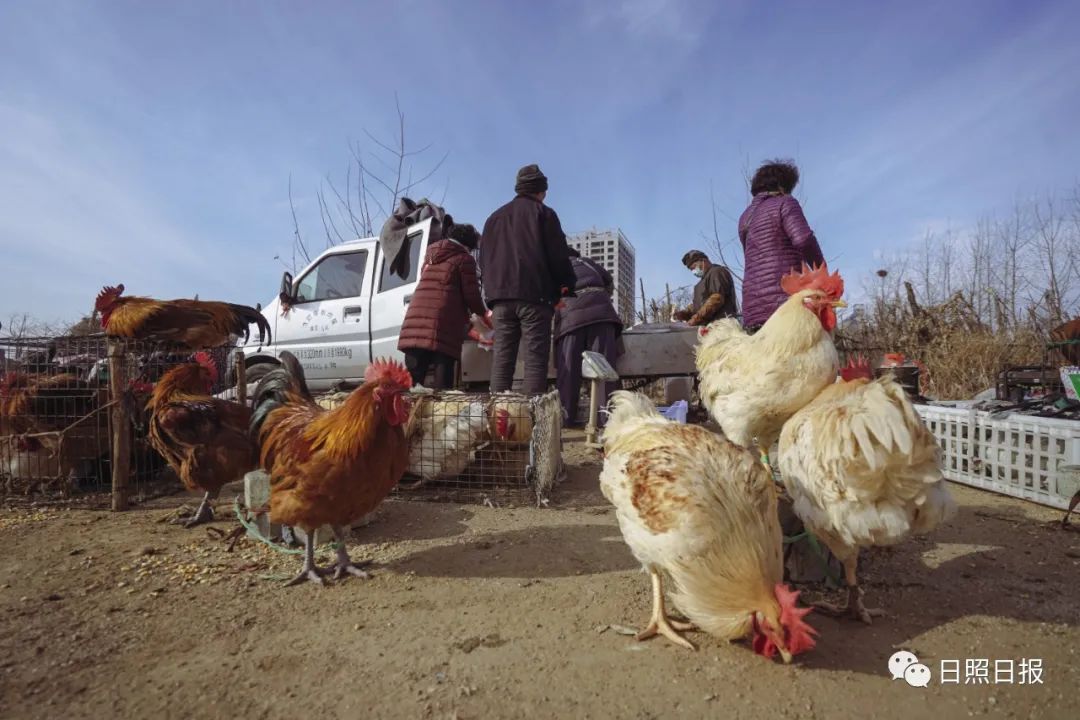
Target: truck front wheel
[258,370]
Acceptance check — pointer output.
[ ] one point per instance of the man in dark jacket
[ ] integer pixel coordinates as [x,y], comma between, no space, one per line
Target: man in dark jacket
[526,269]
[585,322]
[714,294]
[438,316]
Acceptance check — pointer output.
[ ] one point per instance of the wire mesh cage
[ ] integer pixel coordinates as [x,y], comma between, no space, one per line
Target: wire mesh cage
[59,415]
[478,447]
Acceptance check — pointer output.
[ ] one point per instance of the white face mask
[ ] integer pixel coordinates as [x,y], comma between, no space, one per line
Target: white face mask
[698,271]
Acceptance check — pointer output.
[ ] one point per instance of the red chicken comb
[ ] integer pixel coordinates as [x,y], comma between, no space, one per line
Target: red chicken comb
[387,371]
[502,423]
[813,278]
[857,367]
[894,359]
[141,387]
[799,636]
[204,359]
[108,294]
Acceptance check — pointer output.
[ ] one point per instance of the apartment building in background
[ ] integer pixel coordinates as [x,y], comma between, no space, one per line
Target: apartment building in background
[612,251]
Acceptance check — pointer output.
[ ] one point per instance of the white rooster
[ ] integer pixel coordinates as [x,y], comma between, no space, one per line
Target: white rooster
[752,384]
[701,511]
[862,470]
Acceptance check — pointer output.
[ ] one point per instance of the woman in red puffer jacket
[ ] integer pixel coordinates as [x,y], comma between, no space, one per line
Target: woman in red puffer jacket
[437,320]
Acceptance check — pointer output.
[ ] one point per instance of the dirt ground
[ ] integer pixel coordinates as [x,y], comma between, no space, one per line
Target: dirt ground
[480,612]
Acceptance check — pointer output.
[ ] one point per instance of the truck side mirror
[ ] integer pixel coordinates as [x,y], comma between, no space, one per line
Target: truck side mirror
[287,284]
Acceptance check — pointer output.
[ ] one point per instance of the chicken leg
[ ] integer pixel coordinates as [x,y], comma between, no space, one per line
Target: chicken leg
[309,572]
[1072,506]
[854,605]
[205,512]
[659,624]
[344,565]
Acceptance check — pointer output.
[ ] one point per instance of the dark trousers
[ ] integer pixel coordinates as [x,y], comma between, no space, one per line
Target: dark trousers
[516,321]
[601,338]
[418,362]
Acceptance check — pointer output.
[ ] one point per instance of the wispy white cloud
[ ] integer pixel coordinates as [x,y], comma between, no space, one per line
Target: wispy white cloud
[77,213]
[663,19]
[942,129]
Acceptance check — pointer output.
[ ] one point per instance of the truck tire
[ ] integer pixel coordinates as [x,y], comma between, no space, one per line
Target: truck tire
[258,370]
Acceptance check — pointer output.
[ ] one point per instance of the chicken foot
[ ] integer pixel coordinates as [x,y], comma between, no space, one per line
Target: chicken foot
[344,565]
[310,571]
[659,623]
[854,606]
[205,512]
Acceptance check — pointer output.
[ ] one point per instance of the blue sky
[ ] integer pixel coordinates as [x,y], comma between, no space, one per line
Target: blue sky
[152,143]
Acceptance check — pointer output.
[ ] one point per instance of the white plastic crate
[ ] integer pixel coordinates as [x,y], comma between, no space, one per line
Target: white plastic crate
[1019,455]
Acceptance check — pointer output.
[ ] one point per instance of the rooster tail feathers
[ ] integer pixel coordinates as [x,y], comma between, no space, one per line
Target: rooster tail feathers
[625,406]
[274,388]
[247,316]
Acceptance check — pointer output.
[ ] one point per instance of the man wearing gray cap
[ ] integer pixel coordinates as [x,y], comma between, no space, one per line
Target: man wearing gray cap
[525,270]
[714,294]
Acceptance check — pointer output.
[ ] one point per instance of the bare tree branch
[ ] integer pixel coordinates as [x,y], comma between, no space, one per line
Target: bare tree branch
[376,192]
[298,241]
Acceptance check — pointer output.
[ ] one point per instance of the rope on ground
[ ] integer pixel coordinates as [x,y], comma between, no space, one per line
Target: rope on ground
[253,531]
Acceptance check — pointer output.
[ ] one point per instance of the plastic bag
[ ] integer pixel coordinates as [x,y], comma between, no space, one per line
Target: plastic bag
[482,330]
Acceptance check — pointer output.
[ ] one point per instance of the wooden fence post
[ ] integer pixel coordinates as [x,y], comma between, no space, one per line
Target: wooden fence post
[121,426]
[241,378]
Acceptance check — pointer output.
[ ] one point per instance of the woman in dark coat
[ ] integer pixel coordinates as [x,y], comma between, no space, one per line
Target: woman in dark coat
[437,320]
[775,238]
[585,322]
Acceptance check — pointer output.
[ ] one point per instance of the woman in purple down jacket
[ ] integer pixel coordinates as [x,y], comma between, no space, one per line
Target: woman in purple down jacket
[775,238]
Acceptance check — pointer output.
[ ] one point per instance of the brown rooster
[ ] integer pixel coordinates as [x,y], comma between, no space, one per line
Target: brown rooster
[204,439]
[41,403]
[195,324]
[38,431]
[330,467]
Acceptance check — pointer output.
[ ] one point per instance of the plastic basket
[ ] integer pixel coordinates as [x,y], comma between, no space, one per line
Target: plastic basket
[1021,456]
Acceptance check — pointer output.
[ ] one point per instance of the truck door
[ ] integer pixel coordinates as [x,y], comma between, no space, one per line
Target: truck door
[392,295]
[327,328]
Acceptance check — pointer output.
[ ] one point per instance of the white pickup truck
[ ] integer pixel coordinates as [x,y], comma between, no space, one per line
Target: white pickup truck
[347,308]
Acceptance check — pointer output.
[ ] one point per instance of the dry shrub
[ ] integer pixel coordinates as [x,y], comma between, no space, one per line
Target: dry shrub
[963,355]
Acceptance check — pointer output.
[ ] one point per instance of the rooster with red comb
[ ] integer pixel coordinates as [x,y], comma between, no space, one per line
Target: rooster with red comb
[330,467]
[863,470]
[204,439]
[752,384]
[700,513]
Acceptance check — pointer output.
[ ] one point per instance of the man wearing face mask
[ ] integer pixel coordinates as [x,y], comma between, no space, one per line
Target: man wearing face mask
[714,294]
